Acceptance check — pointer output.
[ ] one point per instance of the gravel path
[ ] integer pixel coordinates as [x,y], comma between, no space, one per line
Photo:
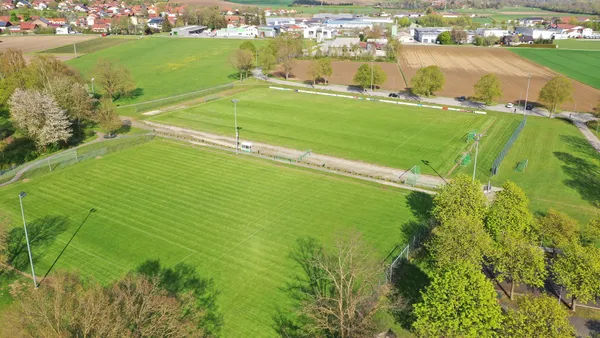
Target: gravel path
[358,169]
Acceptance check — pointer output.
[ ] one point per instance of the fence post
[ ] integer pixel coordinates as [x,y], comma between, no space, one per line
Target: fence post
[49,167]
[76,157]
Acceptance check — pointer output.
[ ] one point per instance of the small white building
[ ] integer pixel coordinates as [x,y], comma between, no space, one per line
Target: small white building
[485,32]
[64,30]
[319,33]
[238,32]
[545,34]
[429,35]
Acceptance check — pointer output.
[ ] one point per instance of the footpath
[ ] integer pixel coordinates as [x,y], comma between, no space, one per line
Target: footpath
[578,119]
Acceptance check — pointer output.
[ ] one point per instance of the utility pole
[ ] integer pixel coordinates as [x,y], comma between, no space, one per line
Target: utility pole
[527,94]
[75,49]
[371,75]
[93,86]
[22,195]
[477,138]
[236,127]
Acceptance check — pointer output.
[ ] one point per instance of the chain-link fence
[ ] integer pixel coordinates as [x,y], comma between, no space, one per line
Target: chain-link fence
[72,156]
[507,146]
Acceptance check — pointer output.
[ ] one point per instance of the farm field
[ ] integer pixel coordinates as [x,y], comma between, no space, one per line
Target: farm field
[464,66]
[391,135]
[234,218]
[343,72]
[580,65]
[90,46]
[36,43]
[579,44]
[162,67]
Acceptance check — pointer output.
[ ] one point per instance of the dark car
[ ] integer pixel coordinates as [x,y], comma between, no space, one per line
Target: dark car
[393,95]
[461,98]
[529,106]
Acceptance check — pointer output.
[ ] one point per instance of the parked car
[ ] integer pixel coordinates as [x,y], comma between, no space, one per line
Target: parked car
[393,95]
[461,98]
[509,105]
[529,106]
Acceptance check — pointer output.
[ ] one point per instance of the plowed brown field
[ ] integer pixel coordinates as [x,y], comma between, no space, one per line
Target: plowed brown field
[463,67]
[36,43]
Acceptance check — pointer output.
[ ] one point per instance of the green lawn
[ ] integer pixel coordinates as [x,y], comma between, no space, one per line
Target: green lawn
[583,44]
[563,171]
[163,67]
[392,135]
[91,46]
[583,66]
[234,218]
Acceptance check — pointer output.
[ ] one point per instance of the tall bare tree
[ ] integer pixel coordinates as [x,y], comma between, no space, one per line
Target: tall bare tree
[286,48]
[343,292]
[116,80]
[107,117]
[40,116]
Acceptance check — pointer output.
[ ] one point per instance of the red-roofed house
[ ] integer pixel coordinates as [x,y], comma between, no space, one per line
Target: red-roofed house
[28,26]
[101,27]
[57,21]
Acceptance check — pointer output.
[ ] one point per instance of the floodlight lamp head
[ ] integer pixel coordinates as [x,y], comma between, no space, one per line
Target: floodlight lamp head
[22,194]
[235,101]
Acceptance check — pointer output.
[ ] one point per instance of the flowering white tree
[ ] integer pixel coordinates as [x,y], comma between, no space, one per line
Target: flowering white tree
[39,114]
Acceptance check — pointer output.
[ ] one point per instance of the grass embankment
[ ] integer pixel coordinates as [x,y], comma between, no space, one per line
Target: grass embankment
[234,218]
[163,66]
[382,133]
[579,44]
[579,65]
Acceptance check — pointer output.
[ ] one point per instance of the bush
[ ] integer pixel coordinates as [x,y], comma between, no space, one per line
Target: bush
[536,46]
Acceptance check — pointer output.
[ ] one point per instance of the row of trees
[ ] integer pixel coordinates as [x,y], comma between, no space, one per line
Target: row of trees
[50,104]
[153,301]
[505,239]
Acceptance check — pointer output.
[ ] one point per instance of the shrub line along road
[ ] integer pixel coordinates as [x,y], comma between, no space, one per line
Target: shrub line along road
[578,119]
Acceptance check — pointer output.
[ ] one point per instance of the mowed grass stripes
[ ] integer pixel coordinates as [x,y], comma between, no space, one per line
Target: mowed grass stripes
[234,218]
[397,136]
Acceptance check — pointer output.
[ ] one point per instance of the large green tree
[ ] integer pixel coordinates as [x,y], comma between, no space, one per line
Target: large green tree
[591,232]
[428,80]
[577,268]
[369,76]
[556,92]
[459,302]
[326,68]
[315,71]
[488,89]
[509,212]
[539,316]
[461,197]
[557,229]
[516,259]
[445,38]
[460,239]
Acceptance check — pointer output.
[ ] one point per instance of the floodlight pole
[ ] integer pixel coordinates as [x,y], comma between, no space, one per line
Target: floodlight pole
[477,138]
[93,86]
[75,50]
[371,75]
[527,94]
[21,196]
[236,127]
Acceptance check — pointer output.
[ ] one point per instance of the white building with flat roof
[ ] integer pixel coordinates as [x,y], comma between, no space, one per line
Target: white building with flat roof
[319,33]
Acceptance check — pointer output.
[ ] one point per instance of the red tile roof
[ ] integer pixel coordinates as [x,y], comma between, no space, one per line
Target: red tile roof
[27,26]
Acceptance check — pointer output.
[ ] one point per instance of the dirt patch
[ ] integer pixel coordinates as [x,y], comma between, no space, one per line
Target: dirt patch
[343,72]
[26,180]
[464,66]
[98,157]
[36,43]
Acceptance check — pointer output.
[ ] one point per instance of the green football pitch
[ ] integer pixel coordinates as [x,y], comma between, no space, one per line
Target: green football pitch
[163,67]
[234,218]
[375,132]
[401,136]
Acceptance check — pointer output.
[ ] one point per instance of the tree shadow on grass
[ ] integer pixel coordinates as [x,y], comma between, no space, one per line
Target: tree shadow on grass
[408,281]
[183,278]
[594,327]
[42,233]
[420,204]
[583,176]
[67,245]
